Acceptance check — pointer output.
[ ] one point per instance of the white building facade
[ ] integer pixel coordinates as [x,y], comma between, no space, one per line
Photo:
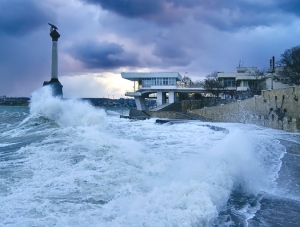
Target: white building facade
[239,80]
[163,84]
[275,81]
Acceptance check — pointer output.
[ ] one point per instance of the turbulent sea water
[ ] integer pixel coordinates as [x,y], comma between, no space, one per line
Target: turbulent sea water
[66,163]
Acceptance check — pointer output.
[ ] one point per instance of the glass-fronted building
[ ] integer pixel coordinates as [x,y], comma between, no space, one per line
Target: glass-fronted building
[165,81]
[152,80]
[163,84]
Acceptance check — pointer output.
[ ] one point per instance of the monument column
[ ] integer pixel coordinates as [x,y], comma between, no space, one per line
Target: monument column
[54,82]
[54,72]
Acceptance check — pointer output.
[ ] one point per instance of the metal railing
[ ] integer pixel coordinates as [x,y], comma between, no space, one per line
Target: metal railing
[189,85]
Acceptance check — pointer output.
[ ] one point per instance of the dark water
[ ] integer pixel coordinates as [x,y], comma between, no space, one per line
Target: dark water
[283,209]
[279,209]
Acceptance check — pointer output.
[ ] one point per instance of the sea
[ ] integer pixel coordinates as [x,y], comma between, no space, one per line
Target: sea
[66,163]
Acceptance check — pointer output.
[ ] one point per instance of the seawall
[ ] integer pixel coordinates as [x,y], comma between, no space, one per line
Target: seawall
[278,109]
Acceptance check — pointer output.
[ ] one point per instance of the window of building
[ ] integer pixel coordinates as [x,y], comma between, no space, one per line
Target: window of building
[229,82]
[148,82]
[159,81]
[153,81]
[165,81]
[172,81]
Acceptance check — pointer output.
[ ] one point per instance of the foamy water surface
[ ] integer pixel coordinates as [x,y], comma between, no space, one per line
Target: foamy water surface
[66,163]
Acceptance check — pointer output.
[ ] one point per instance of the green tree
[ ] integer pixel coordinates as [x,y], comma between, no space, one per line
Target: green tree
[213,85]
[258,83]
[290,61]
[187,81]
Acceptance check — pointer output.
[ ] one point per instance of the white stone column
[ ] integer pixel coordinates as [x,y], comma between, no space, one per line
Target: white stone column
[171,97]
[159,98]
[140,103]
[54,68]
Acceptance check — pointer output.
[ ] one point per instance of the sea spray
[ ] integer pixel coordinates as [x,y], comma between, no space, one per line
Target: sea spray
[67,112]
[237,152]
[79,171]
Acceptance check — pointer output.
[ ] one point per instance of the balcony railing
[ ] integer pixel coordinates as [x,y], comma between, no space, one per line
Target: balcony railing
[182,85]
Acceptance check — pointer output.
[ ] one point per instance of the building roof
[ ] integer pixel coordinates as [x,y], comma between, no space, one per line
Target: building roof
[246,69]
[134,76]
[241,73]
[238,76]
[247,77]
[227,75]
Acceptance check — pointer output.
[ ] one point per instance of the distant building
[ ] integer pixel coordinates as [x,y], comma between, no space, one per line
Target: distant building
[162,84]
[239,80]
[170,87]
[275,81]
[273,78]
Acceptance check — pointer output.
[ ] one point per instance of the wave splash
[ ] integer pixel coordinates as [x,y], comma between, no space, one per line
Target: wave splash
[83,173]
[68,112]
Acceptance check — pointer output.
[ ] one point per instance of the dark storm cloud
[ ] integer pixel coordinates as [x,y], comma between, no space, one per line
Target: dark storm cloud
[131,8]
[170,55]
[223,15]
[241,14]
[244,6]
[24,64]
[232,15]
[19,17]
[24,59]
[168,51]
[187,35]
[102,55]
[290,6]
[154,10]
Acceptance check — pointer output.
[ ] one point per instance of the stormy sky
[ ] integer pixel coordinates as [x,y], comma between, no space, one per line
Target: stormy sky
[102,38]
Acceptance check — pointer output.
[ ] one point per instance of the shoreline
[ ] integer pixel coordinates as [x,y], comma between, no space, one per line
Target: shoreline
[283,207]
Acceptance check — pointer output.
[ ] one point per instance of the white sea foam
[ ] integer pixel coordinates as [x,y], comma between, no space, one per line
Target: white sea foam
[124,173]
[68,112]
[6,144]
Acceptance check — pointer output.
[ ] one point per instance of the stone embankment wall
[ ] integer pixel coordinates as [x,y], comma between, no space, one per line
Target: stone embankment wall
[278,109]
[167,114]
[187,105]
